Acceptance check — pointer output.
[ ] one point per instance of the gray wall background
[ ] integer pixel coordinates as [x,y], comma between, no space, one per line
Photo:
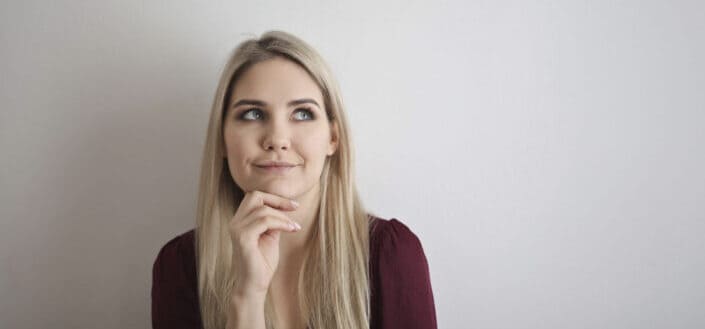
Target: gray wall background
[548,154]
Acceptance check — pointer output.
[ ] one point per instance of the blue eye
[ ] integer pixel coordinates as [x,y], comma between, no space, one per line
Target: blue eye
[307,111]
[245,115]
[252,110]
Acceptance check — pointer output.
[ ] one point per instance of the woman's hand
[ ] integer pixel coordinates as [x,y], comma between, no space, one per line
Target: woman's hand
[255,230]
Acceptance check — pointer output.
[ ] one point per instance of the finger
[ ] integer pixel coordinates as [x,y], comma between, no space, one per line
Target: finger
[265,211]
[267,223]
[256,199]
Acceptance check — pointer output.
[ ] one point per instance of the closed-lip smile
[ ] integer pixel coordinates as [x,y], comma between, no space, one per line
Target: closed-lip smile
[266,164]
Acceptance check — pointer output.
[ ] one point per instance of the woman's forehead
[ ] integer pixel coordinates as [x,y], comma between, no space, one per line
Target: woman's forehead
[276,81]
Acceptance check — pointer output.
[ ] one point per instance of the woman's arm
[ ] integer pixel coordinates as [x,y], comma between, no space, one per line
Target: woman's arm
[402,294]
[174,294]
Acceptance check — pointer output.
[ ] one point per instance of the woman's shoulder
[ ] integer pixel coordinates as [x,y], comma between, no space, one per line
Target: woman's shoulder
[182,241]
[179,249]
[386,228]
[392,235]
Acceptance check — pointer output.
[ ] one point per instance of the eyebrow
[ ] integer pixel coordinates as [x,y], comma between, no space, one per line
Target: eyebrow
[261,103]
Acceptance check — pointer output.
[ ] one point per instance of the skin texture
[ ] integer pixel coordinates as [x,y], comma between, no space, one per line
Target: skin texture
[276,131]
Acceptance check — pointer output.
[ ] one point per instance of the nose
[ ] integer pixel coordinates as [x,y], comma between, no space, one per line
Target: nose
[276,136]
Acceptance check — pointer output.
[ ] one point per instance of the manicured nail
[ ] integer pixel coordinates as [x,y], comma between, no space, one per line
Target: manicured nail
[294,203]
[298,227]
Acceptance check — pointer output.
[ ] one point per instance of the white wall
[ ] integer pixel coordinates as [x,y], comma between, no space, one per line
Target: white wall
[548,154]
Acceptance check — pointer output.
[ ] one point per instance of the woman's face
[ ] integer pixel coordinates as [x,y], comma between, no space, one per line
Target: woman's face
[276,113]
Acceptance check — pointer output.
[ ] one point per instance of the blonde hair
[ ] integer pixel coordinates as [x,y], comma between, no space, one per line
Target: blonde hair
[333,286]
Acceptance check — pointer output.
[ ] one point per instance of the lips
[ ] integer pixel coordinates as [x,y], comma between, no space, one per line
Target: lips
[275,168]
[275,164]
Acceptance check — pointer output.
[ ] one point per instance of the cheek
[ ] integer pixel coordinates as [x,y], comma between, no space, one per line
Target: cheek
[314,147]
[235,146]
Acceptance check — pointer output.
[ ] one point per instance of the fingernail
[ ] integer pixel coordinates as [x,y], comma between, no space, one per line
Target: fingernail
[298,227]
[294,203]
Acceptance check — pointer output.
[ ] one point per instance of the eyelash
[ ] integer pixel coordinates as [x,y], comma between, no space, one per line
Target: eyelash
[307,109]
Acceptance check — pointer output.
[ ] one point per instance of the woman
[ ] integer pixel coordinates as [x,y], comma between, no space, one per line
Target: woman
[277,134]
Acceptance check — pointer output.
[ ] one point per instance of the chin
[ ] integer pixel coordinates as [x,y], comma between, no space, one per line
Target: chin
[280,191]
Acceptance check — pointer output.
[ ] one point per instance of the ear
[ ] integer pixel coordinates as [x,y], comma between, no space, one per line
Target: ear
[334,134]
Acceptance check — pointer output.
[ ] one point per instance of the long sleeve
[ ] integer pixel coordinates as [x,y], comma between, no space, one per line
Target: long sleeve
[402,296]
[174,293]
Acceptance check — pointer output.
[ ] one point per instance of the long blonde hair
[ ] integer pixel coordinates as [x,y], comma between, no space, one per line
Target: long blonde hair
[333,285]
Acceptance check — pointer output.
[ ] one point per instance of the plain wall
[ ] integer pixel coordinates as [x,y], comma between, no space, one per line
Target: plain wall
[548,154]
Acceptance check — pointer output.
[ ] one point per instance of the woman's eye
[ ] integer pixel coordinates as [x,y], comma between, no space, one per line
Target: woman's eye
[306,111]
[255,114]
[245,115]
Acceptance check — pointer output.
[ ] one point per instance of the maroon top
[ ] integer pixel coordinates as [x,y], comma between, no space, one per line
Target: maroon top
[401,295]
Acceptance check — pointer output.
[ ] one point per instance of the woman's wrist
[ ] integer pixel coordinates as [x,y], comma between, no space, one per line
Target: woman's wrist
[246,311]
[248,299]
